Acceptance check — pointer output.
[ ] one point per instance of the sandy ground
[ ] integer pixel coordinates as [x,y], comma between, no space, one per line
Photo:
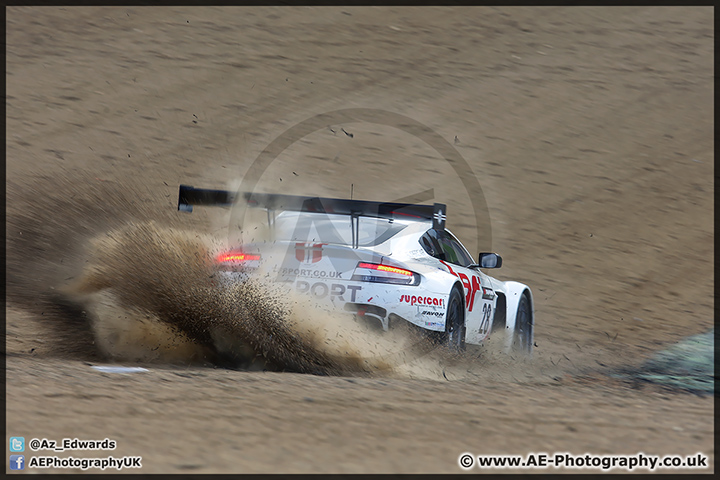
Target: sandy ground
[590,131]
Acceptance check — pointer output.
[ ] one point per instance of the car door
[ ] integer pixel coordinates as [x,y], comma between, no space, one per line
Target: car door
[480,298]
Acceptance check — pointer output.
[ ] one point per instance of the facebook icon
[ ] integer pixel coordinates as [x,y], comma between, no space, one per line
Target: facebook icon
[17,462]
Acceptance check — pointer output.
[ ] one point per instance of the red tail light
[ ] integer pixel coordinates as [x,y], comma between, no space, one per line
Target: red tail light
[385,268]
[237,257]
[385,274]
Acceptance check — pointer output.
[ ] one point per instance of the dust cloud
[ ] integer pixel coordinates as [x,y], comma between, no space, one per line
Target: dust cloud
[116,279]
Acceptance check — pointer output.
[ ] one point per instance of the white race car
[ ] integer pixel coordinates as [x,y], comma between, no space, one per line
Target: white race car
[386,262]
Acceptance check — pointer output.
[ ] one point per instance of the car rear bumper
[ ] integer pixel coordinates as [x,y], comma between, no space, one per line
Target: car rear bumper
[374,300]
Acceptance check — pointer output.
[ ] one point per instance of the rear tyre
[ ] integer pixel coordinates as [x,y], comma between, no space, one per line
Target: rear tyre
[523,331]
[455,322]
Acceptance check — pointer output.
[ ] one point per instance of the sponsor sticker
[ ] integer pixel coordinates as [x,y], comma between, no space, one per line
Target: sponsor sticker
[471,285]
[322,290]
[421,300]
[309,273]
[308,252]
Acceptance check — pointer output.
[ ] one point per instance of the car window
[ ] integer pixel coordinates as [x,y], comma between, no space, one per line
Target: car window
[430,244]
[462,257]
[444,246]
[333,229]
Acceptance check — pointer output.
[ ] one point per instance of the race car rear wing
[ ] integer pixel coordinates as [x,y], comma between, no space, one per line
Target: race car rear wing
[189,196]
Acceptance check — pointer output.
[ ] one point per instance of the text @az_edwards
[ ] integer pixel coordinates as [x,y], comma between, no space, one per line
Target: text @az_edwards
[71,444]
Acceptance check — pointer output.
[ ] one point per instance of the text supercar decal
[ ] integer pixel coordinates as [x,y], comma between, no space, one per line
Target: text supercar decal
[424,301]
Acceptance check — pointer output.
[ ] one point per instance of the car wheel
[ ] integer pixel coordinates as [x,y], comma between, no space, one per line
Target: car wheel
[523,331]
[455,322]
